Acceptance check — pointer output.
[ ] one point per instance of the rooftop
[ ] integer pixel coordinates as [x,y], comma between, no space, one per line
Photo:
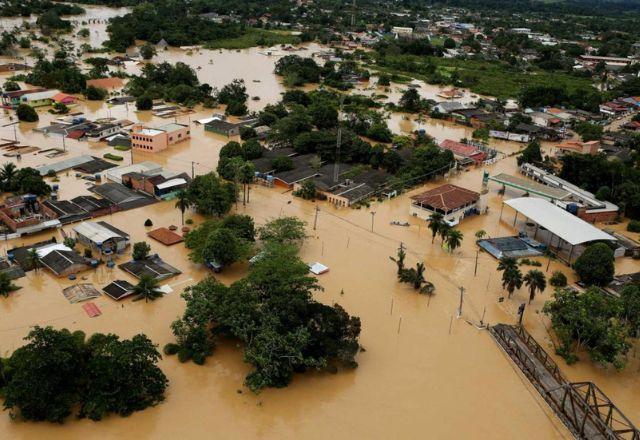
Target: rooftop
[559,222]
[447,197]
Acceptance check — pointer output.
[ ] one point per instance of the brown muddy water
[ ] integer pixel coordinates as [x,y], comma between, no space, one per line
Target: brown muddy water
[424,373]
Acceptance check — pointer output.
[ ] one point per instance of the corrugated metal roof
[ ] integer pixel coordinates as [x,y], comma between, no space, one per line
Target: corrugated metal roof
[561,223]
[95,232]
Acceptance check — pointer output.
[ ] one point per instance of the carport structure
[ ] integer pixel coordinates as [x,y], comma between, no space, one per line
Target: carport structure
[571,234]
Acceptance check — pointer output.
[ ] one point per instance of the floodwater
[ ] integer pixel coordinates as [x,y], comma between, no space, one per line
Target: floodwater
[424,373]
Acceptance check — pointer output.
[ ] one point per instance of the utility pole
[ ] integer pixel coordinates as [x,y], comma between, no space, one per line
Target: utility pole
[192,169]
[373,215]
[462,289]
[336,166]
[521,313]
[475,270]
[315,220]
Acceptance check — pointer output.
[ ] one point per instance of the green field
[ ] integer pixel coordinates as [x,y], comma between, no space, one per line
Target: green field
[255,37]
[491,78]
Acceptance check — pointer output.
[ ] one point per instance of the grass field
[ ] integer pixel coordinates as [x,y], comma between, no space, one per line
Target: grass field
[255,37]
[482,77]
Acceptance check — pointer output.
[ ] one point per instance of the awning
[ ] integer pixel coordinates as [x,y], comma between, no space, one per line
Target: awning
[559,222]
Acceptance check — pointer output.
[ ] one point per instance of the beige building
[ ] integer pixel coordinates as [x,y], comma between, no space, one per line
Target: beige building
[153,140]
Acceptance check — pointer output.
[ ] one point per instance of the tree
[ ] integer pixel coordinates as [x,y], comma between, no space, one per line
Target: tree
[558,279]
[588,131]
[147,289]
[33,260]
[7,175]
[511,275]
[57,371]
[283,230]
[454,239]
[93,93]
[147,51]
[399,259]
[274,316]
[536,282]
[436,220]
[11,86]
[43,375]
[242,225]
[415,277]
[121,376]
[595,266]
[144,102]
[410,101]
[592,321]
[6,286]
[480,234]
[384,80]
[210,195]
[26,113]
[307,190]
[182,203]
[531,154]
[141,250]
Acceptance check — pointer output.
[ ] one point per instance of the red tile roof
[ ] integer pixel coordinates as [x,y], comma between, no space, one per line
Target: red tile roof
[447,197]
[464,150]
[106,83]
[165,236]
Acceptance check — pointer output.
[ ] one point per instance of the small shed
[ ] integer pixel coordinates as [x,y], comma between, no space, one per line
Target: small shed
[165,236]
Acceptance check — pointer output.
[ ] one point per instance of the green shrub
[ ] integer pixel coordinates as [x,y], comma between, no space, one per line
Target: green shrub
[171,349]
[558,279]
[634,226]
[112,157]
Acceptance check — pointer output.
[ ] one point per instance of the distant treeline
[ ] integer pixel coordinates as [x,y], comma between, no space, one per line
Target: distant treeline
[566,7]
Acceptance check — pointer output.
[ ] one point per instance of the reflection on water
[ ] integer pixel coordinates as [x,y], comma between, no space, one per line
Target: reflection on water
[428,375]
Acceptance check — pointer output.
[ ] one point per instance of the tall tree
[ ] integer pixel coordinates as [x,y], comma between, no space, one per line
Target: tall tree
[536,282]
[435,223]
[147,289]
[182,203]
[454,239]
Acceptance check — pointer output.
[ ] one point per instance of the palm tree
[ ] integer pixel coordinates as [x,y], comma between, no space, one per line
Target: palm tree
[480,234]
[6,286]
[147,289]
[507,263]
[454,239]
[511,280]
[435,223]
[183,203]
[33,260]
[536,282]
[399,259]
[7,174]
[511,275]
[415,277]
[444,231]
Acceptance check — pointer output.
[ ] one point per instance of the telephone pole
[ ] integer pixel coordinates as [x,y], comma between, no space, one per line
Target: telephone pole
[315,220]
[462,289]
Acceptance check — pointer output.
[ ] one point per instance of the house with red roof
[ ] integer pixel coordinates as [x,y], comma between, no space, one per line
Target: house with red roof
[464,153]
[452,201]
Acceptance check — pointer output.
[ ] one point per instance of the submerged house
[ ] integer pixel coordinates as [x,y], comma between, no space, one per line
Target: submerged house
[453,202]
[102,236]
[25,215]
[61,260]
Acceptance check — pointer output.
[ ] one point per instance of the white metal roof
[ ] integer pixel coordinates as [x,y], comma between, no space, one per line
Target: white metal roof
[171,183]
[95,232]
[46,250]
[561,223]
[36,96]
[147,167]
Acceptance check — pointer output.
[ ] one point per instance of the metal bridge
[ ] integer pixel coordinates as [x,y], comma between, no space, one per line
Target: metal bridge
[582,406]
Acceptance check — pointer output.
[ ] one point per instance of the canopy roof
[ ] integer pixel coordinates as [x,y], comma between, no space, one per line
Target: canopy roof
[559,222]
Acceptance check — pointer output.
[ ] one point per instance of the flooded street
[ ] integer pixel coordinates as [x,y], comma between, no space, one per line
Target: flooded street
[424,374]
